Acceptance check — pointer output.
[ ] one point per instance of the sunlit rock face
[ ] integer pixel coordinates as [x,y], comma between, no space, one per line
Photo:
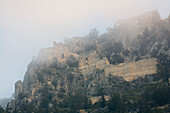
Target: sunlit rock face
[91,64]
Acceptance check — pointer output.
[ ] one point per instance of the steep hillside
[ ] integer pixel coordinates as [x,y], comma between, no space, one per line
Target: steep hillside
[4,102]
[113,72]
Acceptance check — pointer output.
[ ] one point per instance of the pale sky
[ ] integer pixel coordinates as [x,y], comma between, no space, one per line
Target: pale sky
[26,26]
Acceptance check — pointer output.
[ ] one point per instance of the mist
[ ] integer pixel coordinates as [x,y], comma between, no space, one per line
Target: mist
[26,26]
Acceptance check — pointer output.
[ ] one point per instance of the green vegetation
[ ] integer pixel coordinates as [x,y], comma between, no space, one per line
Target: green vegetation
[2,110]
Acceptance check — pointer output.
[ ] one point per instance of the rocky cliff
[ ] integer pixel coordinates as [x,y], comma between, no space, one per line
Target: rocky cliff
[97,65]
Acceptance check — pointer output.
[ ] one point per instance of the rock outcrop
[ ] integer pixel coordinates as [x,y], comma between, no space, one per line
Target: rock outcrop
[18,89]
[96,66]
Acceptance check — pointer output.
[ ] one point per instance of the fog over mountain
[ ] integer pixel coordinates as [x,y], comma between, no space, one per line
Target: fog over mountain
[28,26]
[124,70]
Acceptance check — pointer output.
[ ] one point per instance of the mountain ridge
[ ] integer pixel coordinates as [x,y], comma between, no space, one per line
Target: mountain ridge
[97,65]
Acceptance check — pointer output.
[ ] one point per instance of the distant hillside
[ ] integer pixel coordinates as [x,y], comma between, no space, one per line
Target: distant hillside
[4,102]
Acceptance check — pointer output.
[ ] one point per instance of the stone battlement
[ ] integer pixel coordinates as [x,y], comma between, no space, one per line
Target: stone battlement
[135,25]
[132,70]
[129,71]
[88,62]
[147,19]
[59,51]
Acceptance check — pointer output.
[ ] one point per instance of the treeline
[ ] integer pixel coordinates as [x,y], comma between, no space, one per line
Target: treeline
[151,98]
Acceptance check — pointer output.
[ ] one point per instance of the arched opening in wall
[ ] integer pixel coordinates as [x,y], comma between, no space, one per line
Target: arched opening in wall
[86,59]
[136,21]
[62,55]
[86,62]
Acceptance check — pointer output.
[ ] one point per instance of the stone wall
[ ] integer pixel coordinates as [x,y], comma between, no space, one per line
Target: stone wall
[58,51]
[133,26]
[147,19]
[132,70]
[129,71]
[91,61]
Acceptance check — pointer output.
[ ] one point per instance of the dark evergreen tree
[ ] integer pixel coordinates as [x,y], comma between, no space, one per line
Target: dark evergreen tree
[116,103]
[164,67]
[102,102]
[2,110]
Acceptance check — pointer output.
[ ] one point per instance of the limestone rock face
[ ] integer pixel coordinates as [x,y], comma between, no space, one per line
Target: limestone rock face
[18,89]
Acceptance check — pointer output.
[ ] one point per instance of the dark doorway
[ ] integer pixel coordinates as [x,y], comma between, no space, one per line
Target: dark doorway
[62,55]
[86,59]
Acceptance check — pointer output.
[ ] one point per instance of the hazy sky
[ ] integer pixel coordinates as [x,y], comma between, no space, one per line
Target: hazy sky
[26,26]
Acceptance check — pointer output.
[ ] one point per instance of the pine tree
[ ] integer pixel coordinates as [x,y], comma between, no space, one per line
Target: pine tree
[103,102]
